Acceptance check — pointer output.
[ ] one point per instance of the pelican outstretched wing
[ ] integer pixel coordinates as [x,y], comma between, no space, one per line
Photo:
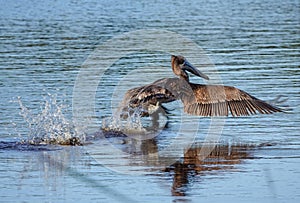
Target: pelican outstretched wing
[217,100]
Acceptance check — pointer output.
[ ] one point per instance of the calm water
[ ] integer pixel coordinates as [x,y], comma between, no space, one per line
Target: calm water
[46,45]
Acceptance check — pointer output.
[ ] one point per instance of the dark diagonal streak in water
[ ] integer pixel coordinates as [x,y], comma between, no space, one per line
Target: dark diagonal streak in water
[92,183]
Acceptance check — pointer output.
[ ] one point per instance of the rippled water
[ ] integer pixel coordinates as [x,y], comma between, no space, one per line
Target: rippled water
[44,45]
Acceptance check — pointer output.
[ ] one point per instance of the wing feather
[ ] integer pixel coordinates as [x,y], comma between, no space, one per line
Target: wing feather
[217,100]
[160,91]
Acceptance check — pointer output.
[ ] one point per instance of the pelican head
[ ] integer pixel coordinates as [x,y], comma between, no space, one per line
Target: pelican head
[180,65]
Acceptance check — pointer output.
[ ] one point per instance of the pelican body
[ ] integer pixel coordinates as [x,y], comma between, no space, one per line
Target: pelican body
[197,99]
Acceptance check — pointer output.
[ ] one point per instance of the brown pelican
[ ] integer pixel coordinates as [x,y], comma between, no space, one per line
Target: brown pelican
[197,99]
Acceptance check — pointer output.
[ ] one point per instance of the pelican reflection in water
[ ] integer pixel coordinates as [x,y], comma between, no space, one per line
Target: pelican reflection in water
[197,99]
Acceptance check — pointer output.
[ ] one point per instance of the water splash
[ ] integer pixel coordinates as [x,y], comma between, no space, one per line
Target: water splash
[130,121]
[118,122]
[50,126]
